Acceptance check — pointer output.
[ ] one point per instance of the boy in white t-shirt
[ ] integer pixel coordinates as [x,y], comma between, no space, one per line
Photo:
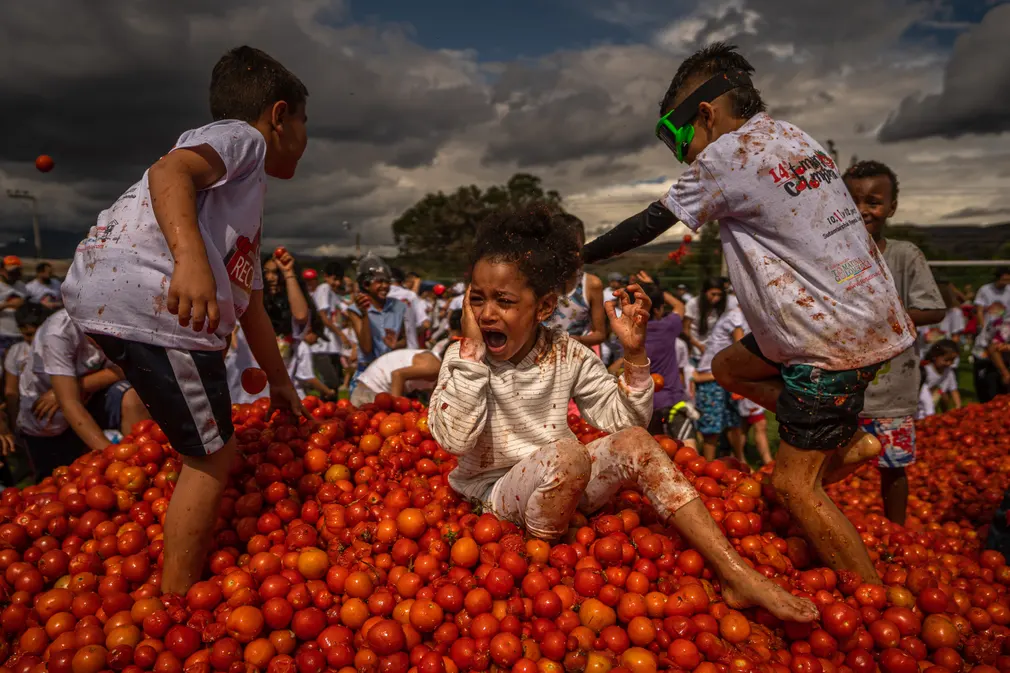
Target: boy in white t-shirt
[171,267]
[821,304]
[397,372]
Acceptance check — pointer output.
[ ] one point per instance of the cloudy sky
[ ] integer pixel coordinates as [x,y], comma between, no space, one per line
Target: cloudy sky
[411,97]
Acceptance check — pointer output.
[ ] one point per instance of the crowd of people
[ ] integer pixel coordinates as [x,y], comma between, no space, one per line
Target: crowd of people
[839,331]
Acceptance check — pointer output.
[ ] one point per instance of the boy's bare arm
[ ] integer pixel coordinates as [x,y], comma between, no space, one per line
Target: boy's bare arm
[173,182]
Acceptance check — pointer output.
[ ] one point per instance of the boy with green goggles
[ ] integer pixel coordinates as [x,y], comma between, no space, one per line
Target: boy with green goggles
[823,310]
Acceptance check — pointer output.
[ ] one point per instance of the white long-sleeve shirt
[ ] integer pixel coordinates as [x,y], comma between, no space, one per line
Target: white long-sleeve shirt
[493,414]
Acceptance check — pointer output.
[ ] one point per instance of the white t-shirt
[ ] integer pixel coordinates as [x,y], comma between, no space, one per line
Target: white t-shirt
[456,303]
[692,310]
[8,323]
[379,375]
[810,279]
[17,357]
[300,368]
[237,361]
[118,282]
[59,349]
[352,340]
[684,364]
[934,384]
[327,302]
[414,317]
[37,290]
[721,336]
[989,294]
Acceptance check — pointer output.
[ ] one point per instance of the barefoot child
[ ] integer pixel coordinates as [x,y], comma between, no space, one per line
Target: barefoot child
[174,263]
[892,398]
[821,304]
[502,396]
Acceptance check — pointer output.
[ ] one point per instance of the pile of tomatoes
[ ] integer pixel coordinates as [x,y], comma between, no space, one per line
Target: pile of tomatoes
[342,548]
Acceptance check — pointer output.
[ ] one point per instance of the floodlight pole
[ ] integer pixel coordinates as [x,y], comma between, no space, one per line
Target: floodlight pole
[28,196]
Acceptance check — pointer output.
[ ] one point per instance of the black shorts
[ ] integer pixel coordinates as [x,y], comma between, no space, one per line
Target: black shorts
[818,409]
[48,453]
[186,392]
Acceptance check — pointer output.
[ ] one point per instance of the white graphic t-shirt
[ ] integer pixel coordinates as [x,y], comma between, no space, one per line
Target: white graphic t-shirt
[809,277]
[721,336]
[59,349]
[118,282]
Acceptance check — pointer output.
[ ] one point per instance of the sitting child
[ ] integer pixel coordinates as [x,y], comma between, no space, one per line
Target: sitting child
[502,396]
[939,379]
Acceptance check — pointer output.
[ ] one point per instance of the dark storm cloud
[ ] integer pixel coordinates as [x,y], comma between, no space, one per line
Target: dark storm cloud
[976,89]
[106,88]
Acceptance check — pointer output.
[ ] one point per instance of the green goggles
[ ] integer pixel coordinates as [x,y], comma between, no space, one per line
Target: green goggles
[675,128]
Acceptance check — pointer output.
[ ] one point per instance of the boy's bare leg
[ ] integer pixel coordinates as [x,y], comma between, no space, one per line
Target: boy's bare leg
[192,514]
[131,411]
[862,447]
[633,456]
[737,438]
[894,490]
[740,371]
[761,440]
[742,586]
[798,482]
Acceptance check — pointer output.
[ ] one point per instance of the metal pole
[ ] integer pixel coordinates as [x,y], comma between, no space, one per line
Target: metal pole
[35,228]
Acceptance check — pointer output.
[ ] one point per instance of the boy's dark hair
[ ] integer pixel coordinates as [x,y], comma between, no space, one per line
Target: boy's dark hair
[42,266]
[30,315]
[1002,271]
[456,321]
[247,81]
[942,347]
[396,275]
[873,169]
[539,240]
[655,295]
[333,268]
[745,101]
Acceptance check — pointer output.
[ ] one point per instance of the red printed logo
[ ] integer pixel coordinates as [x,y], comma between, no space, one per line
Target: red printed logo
[241,262]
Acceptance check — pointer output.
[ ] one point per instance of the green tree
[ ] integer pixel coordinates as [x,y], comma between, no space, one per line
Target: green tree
[441,226]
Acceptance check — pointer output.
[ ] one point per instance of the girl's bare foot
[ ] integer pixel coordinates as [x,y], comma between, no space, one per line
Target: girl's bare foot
[749,589]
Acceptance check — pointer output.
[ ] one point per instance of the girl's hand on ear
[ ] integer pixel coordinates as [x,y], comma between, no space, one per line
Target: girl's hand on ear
[630,327]
[469,321]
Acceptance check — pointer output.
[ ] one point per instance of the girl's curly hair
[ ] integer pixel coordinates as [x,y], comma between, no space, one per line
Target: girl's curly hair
[542,241]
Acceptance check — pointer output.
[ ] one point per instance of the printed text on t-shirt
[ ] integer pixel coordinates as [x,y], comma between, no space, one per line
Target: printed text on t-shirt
[809,173]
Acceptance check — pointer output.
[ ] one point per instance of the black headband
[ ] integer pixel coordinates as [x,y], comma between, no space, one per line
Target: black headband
[716,86]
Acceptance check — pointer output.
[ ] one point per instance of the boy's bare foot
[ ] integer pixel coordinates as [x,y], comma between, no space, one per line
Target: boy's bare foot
[749,589]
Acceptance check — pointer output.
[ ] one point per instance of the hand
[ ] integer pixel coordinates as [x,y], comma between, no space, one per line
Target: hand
[287,264]
[631,325]
[645,277]
[363,302]
[389,339]
[7,446]
[46,407]
[469,322]
[285,398]
[192,295]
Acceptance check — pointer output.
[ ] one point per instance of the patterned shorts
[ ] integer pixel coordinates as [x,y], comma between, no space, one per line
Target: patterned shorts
[718,411]
[897,439]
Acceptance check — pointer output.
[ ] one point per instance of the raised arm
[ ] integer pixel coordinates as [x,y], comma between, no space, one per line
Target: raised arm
[633,232]
[425,367]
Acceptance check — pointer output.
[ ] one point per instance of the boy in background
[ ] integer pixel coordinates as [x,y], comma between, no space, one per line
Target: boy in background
[171,267]
[788,226]
[44,289]
[892,398]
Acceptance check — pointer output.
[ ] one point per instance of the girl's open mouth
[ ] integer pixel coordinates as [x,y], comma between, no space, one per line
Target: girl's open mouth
[494,340]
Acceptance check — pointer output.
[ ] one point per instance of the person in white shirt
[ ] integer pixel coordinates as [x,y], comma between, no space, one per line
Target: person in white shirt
[30,317]
[69,393]
[415,319]
[822,305]
[44,289]
[327,345]
[702,312]
[991,301]
[501,402]
[996,292]
[719,411]
[939,379]
[12,295]
[302,368]
[397,373]
[174,264]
